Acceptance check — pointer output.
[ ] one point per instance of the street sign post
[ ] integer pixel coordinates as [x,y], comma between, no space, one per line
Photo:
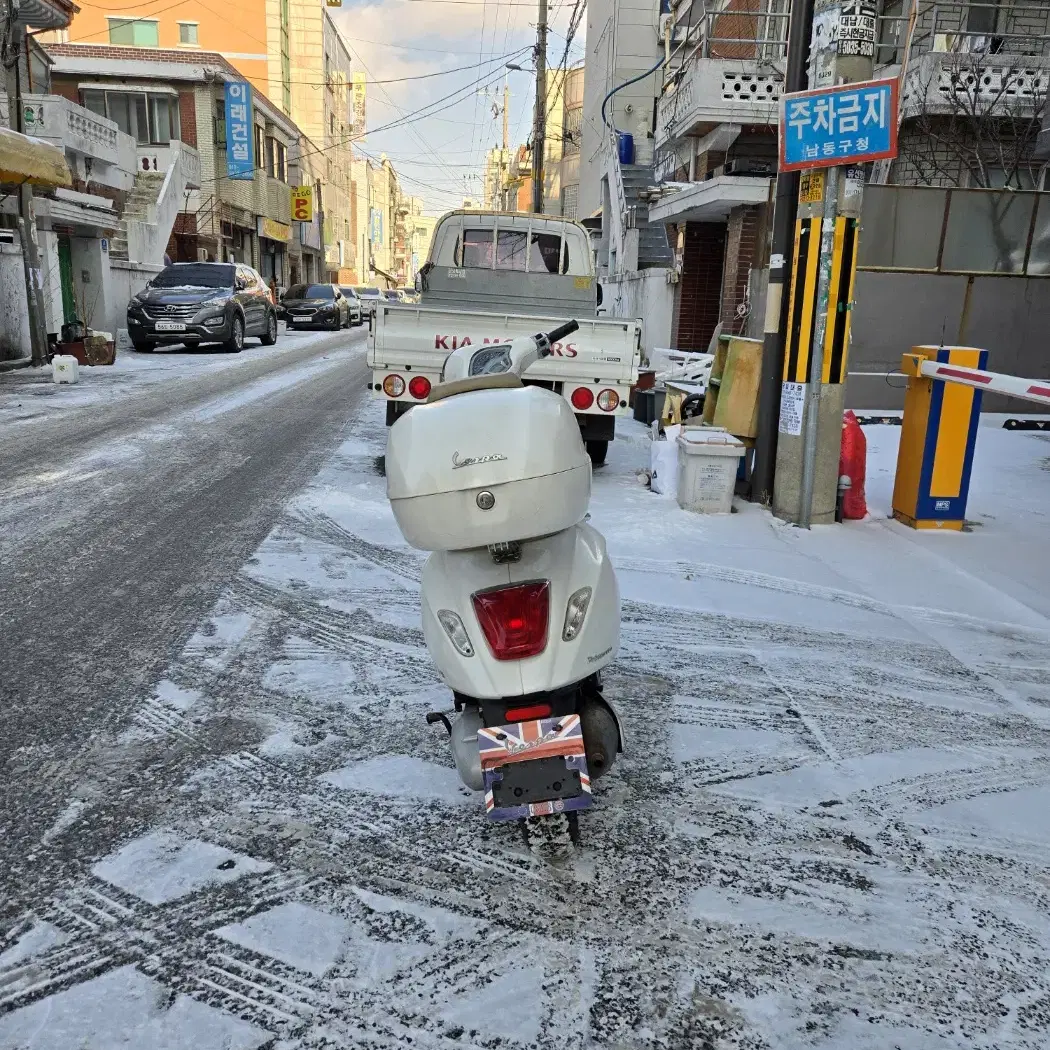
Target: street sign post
[829,127]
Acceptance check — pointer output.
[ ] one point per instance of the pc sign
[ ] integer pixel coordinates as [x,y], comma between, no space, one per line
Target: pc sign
[850,124]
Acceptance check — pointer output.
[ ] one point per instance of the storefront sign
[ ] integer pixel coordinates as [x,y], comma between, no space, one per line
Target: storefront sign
[358,106]
[303,203]
[240,162]
[273,230]
[376,224]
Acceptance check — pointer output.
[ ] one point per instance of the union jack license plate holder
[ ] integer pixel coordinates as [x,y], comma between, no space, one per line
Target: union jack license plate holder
[537,744]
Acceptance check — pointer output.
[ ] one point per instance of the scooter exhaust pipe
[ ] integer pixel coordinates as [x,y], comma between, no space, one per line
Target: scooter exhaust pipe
[601,736]
[465,752]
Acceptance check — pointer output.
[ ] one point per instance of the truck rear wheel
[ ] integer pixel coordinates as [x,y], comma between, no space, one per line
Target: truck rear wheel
[597,450]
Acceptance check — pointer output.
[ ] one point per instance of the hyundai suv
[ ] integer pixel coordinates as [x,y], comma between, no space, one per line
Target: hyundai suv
[197,303]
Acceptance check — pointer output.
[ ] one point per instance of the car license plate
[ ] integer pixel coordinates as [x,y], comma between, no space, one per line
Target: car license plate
[170,326]
[535,768]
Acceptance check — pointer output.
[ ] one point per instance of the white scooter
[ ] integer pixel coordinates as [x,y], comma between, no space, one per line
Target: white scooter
[521,610]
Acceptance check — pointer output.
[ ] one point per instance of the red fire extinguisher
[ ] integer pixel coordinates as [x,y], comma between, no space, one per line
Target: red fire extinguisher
[852,462]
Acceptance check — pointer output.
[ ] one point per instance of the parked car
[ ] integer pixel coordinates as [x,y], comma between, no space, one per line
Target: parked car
[316,306]
[393,295]
[369,298]
[354,305]
[196,303]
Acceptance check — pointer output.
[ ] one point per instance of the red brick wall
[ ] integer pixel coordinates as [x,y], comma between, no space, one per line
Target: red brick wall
[188,118]
[65,88]
[744,249]
[699,296]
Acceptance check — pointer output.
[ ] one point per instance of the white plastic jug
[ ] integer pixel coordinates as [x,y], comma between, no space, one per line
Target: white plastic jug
[65,369]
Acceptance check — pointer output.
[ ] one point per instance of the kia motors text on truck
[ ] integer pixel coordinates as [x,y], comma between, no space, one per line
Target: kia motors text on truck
[489,278]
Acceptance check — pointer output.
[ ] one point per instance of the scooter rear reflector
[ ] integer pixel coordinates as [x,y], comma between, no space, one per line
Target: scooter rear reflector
[526,714]
[514,619]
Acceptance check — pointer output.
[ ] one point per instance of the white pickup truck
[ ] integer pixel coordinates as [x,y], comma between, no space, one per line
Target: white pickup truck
[490,277]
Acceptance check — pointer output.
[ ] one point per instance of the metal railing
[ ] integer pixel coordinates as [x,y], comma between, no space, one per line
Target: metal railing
[1021,28]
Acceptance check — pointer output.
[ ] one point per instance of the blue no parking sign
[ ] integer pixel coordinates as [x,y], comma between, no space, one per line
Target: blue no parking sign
[841,125]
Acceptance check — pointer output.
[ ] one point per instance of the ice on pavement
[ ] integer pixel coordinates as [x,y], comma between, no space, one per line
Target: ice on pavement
[400,776]
[300,936]
[124,1008]
[828,830]
[160,867]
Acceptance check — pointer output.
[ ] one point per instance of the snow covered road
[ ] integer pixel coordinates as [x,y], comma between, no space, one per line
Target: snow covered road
[831,828]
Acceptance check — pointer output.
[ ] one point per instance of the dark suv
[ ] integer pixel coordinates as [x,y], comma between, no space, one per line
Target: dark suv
[195,303]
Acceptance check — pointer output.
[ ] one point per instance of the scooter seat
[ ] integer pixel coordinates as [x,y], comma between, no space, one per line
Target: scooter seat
[501,381]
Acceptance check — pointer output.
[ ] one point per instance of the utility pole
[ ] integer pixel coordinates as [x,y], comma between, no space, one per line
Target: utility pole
[26,223]
[504,159]
[785,210]
[842,52]
[539,124]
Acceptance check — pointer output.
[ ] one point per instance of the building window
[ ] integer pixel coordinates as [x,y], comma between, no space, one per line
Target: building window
[188,34]
[260,147]
[133,32]
[331,125]
[276,160]
[150,119]
[569,201]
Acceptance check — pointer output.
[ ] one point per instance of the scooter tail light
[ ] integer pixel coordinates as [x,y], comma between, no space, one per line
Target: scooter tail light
[529,713]
[608,400]
[514,619]
[419,387]
[457,633]
[393,386]
[576,613]
[582,399]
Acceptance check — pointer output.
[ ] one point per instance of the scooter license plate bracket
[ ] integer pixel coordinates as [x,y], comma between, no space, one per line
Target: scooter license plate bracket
[535,768]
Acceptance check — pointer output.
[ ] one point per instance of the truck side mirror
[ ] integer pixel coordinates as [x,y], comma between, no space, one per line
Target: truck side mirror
[600,296]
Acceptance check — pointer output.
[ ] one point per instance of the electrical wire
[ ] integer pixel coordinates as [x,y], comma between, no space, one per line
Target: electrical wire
[409,118]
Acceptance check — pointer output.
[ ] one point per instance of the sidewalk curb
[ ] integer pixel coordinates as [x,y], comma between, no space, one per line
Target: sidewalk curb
[19,362]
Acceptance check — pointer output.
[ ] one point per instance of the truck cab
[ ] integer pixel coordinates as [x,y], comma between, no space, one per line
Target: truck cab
[513,263]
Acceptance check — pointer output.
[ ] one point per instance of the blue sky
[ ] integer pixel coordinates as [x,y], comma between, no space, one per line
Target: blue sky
[441,156]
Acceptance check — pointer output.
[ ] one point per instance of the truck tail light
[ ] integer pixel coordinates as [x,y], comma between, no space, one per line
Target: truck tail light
[514,619]
[419,387]
[393,386]
[582,398]
[608,400]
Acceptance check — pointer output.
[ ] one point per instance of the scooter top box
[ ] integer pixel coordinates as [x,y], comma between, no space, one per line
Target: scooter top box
[486,467]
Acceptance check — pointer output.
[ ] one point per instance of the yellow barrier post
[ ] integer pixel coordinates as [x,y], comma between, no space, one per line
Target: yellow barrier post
[938,435]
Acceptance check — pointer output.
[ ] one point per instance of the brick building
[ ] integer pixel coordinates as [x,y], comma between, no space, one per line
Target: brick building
[165,98]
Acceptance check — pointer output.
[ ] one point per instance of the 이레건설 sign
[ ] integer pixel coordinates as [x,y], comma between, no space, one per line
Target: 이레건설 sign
[240,162]
[849,124]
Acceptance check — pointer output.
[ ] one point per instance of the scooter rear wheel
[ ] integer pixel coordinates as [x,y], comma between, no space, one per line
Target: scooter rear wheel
[552,838]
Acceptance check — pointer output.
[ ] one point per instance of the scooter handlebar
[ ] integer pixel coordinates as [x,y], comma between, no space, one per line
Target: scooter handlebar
[563,330]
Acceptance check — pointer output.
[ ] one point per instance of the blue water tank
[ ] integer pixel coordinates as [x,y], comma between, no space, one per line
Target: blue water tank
[625,142]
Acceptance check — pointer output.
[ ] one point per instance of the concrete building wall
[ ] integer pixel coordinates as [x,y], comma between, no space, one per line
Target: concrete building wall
[622,41]
[14,332]
[646,296]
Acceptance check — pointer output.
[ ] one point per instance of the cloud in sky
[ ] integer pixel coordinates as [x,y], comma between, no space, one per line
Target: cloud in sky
[441,157]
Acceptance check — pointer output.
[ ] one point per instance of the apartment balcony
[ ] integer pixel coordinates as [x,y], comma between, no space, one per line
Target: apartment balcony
[724,69]
[975,85]
[74,128]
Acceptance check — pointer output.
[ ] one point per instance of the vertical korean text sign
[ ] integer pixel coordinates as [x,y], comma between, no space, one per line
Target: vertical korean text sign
[240,162]
[841,125]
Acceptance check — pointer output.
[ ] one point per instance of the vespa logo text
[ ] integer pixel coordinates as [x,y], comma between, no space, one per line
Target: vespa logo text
[470,461]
